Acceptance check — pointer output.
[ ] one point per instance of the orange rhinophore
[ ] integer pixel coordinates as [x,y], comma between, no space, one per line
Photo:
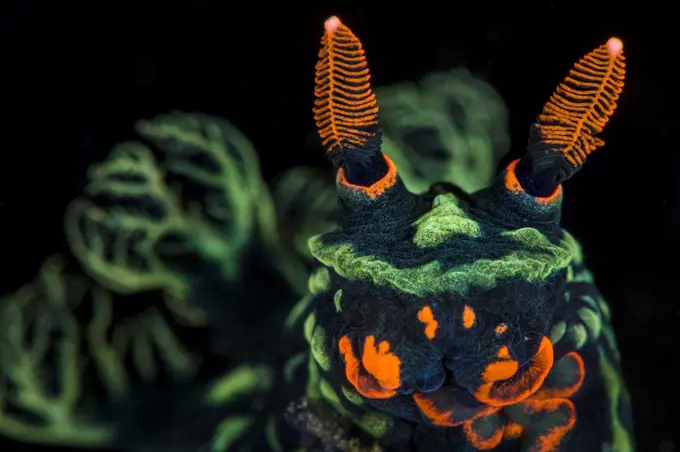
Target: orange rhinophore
[345,109]
[583,103]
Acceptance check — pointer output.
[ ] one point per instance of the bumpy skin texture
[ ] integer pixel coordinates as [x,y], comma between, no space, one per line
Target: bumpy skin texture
[432,304]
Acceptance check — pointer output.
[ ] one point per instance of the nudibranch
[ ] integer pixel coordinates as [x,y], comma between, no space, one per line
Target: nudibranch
[453,320]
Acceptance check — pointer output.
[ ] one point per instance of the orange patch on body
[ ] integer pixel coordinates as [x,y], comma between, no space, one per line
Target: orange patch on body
[497,391]
[482,442]
[501,328]
[443,418]
[378,188]
[550,440]
[504,353]
[513,185]
[487,433]
[426,316]
[468,317]
[500,370]
[513,430]
[430,410]
[381,366]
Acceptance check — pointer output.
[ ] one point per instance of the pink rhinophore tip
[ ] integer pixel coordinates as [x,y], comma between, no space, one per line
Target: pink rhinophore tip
[614,46]
[332,24]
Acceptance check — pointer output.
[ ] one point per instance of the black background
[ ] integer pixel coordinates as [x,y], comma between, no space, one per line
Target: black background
[76,77]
